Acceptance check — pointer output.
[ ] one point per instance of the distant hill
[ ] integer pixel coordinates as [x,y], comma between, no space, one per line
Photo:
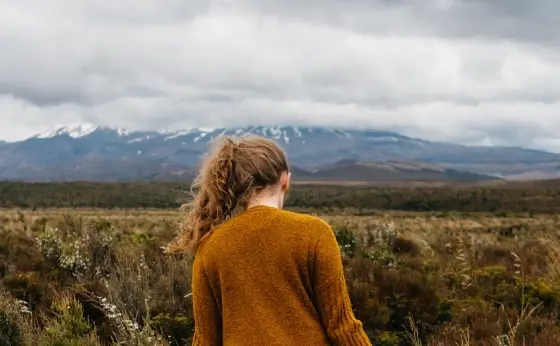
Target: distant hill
[97,153]
[369,172]
[351,170]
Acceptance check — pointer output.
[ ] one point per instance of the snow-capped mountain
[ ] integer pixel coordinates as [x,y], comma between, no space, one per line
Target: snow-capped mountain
[79,131]
[72,131]
[85,151]
[285,135]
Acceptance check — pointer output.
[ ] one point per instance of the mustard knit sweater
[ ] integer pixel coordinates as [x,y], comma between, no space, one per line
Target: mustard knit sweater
[272,277]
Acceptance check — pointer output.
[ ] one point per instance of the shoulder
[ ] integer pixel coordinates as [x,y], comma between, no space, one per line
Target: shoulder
[302,218]
[201,251]
[313,224]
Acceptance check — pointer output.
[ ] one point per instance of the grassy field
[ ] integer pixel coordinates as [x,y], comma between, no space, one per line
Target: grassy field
[97,276]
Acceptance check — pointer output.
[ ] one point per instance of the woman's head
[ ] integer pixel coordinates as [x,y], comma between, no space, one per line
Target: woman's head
[237,173]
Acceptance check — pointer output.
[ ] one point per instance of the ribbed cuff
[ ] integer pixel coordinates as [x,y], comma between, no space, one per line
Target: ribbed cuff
[356,339]
[336,309]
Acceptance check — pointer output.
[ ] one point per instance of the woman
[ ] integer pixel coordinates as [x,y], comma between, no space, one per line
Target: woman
[261,275]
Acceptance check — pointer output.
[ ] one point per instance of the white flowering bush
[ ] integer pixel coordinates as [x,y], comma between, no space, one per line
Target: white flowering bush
[384,234]
[78,251]
[50,245]
[378,243]
[23,307]
[70,255]
[128,331]
[375,243]
[74,258]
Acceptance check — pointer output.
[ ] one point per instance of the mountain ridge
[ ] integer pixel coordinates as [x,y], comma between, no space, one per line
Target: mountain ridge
[278,132]
[104,152]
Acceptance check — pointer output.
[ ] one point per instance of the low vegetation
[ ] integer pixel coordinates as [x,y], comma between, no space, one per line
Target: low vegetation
[99,277]
[498,198]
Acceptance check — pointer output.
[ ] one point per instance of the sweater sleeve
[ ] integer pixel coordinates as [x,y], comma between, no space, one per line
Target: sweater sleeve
[207,317]
[331,293]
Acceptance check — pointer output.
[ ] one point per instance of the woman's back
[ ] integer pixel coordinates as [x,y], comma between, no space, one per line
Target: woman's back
[272,277]
[266,276]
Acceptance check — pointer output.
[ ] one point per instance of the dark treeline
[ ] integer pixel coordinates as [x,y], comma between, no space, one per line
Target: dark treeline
[524,199]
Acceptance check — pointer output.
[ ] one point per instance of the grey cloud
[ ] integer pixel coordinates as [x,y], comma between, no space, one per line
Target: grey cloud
[42,96]
[510,19]
[452,70]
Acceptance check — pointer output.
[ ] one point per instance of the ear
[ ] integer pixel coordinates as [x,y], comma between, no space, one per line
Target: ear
[286,182]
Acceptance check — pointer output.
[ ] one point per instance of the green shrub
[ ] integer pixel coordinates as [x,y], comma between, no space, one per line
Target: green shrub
[387,339]
[179,328]
[26,286]
[67,326]
[15,321]
[10,334]
[545,291]
[346,241]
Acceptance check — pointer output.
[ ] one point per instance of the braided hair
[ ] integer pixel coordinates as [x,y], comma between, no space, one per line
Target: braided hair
[235,170]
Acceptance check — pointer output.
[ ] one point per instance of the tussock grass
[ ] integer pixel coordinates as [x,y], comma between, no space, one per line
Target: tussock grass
[99,277]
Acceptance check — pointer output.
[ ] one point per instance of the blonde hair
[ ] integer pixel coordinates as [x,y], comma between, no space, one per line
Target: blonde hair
[235,170]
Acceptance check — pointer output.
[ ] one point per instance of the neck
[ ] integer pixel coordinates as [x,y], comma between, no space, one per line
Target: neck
[268,202]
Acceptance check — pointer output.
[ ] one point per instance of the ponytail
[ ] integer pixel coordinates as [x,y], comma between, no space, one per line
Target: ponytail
[229,175]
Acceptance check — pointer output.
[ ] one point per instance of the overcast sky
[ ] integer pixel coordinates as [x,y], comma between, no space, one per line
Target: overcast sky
[469,71]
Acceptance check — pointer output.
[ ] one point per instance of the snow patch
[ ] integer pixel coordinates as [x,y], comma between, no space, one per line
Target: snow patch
[336,133]
[276,133]
[177,134]
[140,139]
[340,133]
[286,137]
[383,139]
[76,131]
[122,132]
[80,130]
[202,135]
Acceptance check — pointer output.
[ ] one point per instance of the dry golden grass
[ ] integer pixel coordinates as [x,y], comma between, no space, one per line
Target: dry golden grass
[414,278]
